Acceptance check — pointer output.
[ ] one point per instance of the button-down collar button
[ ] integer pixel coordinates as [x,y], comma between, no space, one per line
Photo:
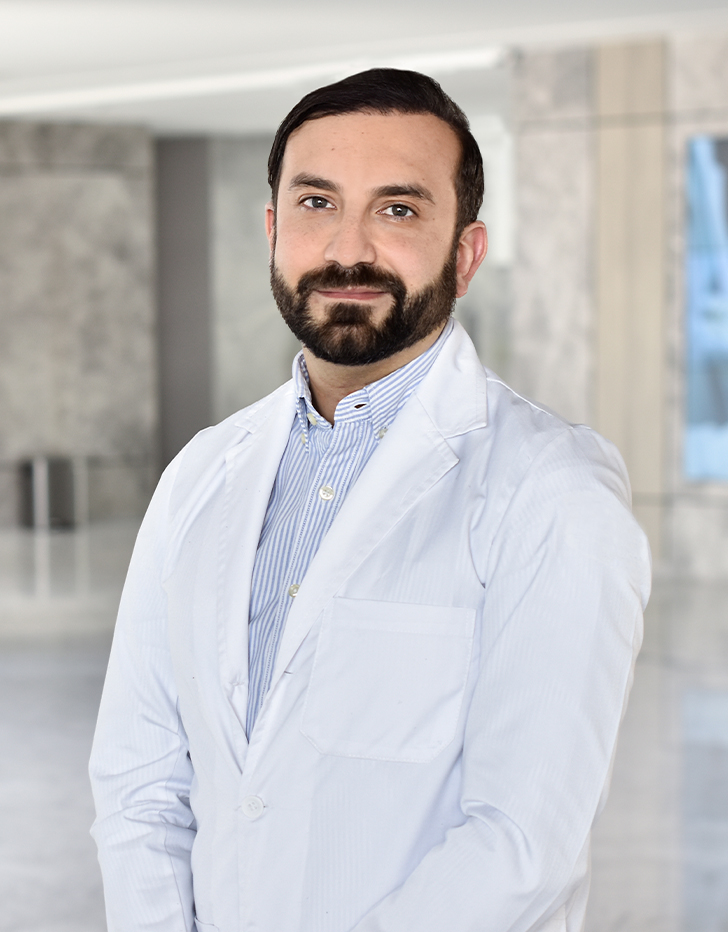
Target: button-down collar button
[293,590]
[326,493]
[381,432]
[252,807]
[312,419]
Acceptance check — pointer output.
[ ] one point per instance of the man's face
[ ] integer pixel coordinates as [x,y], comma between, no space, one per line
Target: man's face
[363,247]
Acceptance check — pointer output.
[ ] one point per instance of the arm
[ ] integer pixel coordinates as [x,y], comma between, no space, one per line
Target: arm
[566,580]
[140,771]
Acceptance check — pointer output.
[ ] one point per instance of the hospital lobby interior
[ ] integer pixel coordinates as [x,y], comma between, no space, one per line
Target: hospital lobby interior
[135,310]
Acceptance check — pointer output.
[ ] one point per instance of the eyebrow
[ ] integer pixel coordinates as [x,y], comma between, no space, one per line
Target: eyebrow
[405,190]
[313,181]
[420,192]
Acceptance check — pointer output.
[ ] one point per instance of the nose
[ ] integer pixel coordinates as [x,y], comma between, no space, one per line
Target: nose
[350,243]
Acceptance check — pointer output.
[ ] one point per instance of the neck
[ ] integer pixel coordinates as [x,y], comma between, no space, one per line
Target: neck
[330,382]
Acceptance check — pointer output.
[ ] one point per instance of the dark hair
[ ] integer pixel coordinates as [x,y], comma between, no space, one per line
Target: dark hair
[390,90]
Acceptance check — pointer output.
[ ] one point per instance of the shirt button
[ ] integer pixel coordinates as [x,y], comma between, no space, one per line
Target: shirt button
[252,807]
[293,590]
[311,418]
[326,493]
[382,432]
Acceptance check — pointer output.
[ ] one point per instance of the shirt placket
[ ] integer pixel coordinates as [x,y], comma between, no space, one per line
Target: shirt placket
[320,494]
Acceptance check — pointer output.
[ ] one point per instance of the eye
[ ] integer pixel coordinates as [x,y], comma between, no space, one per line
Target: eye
[400,211]
[317,202]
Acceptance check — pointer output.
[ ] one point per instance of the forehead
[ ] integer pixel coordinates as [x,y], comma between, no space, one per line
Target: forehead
[373,149]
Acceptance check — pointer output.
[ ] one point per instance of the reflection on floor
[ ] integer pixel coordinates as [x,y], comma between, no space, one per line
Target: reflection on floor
[660,850]
[61,583]
[49,879]
[58,597]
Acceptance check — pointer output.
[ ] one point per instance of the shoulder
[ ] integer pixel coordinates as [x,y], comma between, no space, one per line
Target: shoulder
[530,440]
[559,485]
[219,437]
[203,458]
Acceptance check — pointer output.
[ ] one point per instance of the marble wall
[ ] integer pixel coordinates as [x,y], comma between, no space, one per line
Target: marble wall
[77,341]
[596,329]
[552,319]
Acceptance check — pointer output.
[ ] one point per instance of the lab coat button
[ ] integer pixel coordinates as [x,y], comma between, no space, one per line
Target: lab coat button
[252,807]
[326,493]
[293,590]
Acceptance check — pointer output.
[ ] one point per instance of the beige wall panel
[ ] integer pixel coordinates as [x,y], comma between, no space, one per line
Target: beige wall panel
[647,344]
[612,287]
[630,79]
[630,288]
[630,267]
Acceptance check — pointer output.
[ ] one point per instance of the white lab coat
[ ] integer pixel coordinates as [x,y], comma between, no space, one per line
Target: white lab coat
[443,712]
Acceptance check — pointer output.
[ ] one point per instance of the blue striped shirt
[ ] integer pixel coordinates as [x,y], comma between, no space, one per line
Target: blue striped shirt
[320,464]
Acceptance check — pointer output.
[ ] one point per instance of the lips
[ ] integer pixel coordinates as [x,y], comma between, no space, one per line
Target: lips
[350,294]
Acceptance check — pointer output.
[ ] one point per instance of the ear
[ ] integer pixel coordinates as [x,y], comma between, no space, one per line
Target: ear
[270,224]
[472,247]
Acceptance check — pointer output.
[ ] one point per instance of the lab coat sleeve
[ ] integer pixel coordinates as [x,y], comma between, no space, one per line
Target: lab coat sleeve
[566,578]
[140,770]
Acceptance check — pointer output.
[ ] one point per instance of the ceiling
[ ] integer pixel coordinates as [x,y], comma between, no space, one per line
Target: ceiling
[231,66]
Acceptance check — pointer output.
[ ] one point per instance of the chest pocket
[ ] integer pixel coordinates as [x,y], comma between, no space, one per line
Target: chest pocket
[388,679]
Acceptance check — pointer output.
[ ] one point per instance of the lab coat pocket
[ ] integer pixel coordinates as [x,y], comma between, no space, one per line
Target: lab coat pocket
[388,679]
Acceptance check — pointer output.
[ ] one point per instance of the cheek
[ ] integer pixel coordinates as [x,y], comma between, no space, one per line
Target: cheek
[418,262]
[296,250]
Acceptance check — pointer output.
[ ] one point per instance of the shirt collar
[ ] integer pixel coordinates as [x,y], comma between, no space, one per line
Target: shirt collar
[379,402]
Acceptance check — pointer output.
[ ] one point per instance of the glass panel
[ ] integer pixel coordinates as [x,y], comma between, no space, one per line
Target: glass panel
[706,430]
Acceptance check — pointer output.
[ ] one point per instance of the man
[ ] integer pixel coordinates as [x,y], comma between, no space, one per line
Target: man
[379,628]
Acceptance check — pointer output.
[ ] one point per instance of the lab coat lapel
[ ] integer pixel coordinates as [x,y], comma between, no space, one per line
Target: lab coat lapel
[250,471]
[411,458]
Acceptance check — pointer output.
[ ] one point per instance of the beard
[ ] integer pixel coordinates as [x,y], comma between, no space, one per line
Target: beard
[347,336]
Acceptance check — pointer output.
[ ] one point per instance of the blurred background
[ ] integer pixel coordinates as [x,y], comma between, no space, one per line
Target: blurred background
[135,310]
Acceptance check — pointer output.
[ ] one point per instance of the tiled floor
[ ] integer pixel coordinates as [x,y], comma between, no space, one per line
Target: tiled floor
[660,849]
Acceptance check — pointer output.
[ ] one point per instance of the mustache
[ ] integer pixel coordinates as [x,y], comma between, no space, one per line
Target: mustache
[361,275]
